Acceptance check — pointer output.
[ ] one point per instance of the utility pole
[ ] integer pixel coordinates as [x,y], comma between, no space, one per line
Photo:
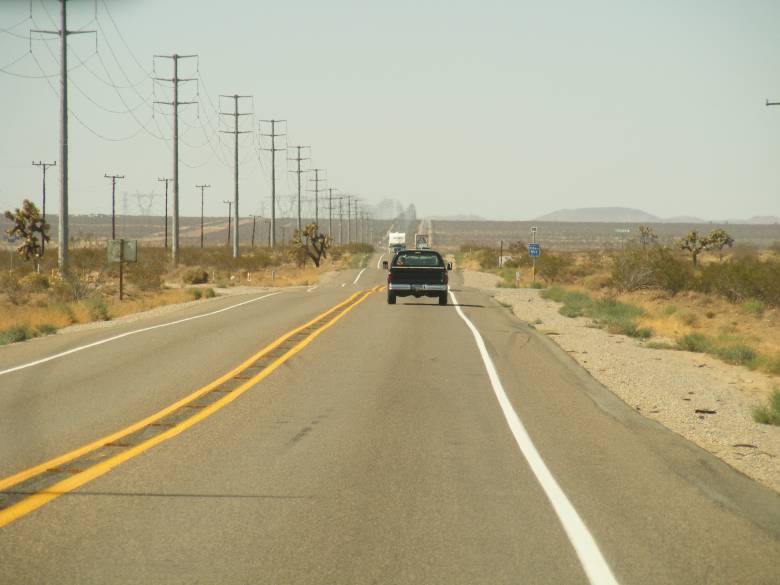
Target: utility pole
[357,232]
[201,187]
[229,204]
[298,172]
[349,219]
[341,227]
[165,245]
[254,220]
[44,166]
[330,211]
[113,202]
[235,131]
[63,33]
[273,151]
[316,192]
[176,80]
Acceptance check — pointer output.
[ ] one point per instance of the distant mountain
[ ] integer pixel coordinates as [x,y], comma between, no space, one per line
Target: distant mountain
[684,219]
[469,217]
[629,215]
[601,214]
[758,220]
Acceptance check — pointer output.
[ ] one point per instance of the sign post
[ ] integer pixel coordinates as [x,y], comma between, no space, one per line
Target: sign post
[122,251]
[534,251]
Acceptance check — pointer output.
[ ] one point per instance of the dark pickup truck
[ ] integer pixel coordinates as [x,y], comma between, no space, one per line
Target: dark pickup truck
[418,273]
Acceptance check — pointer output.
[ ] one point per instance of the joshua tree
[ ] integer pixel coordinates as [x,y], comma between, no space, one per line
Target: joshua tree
[28,226]
[647,236]
[310,243]
[719,239]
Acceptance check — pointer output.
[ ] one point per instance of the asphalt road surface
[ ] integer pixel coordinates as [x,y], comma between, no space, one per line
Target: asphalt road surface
[381,444]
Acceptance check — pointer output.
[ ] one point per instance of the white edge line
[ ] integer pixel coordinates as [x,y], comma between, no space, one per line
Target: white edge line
[128,333]
[308,290]
[358,276]
[379,262]
[596,568]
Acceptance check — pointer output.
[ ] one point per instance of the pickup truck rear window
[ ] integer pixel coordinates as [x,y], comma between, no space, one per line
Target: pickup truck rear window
[416,259]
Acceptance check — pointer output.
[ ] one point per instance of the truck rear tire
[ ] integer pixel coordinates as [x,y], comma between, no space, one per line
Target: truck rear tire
[390,298]
[443,298]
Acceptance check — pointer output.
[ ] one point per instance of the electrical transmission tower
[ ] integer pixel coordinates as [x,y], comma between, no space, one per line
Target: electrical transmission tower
[235,131]
[298,172]
[44,166]
[63,33]
[113,202]
[349,217]
[175,80]
[317,180]
[273,135]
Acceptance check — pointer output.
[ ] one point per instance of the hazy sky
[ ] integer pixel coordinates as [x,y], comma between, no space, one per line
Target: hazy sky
[506,110]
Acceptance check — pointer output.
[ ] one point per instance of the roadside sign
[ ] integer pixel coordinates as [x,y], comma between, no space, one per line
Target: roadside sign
[129,250]
[622,231]
[534,250]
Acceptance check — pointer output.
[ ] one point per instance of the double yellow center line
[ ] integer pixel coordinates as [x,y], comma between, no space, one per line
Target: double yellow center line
[32,488]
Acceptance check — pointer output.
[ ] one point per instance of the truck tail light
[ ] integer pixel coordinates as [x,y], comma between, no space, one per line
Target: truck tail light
[389,277]
[446,278]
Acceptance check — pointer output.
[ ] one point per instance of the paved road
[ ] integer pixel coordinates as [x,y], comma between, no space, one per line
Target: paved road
[379,453]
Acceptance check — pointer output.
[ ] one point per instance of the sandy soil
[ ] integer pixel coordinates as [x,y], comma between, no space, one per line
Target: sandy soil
[701,398]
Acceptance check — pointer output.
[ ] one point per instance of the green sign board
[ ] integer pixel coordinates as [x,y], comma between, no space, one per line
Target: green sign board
[123,250]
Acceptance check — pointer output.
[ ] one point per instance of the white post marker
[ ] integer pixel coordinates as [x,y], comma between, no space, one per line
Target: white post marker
[596,568]
[129,333]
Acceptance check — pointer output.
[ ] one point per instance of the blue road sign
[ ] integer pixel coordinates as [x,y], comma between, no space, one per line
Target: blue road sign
[534,250]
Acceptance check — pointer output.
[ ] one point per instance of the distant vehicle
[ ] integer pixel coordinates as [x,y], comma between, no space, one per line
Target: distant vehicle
[394,249]
[421,241]
[418,273]
[396,238]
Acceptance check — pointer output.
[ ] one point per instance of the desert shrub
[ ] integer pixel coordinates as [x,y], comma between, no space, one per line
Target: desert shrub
[537,285]
[690,319]
[552,266]
[35,282]
[669,310]
[70,288]
[209,293]
[195,292]
[753,307]
[98,309]
[769,414]
[15,334]
[66,310]
[195,275]
[694,342]
[618,317]
[145,277]
[636,268]
[607,313]
[742,279]
[11,286]
[738,353]
[46,329]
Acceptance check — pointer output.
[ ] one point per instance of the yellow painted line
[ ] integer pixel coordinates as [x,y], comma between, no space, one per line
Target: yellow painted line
[58,461]
[42,498]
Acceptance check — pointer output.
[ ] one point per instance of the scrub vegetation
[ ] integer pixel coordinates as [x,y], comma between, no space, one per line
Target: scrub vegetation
[35,300]
[726,305]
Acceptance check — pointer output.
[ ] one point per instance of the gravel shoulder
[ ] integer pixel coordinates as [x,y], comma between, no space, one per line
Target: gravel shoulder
[703,399]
